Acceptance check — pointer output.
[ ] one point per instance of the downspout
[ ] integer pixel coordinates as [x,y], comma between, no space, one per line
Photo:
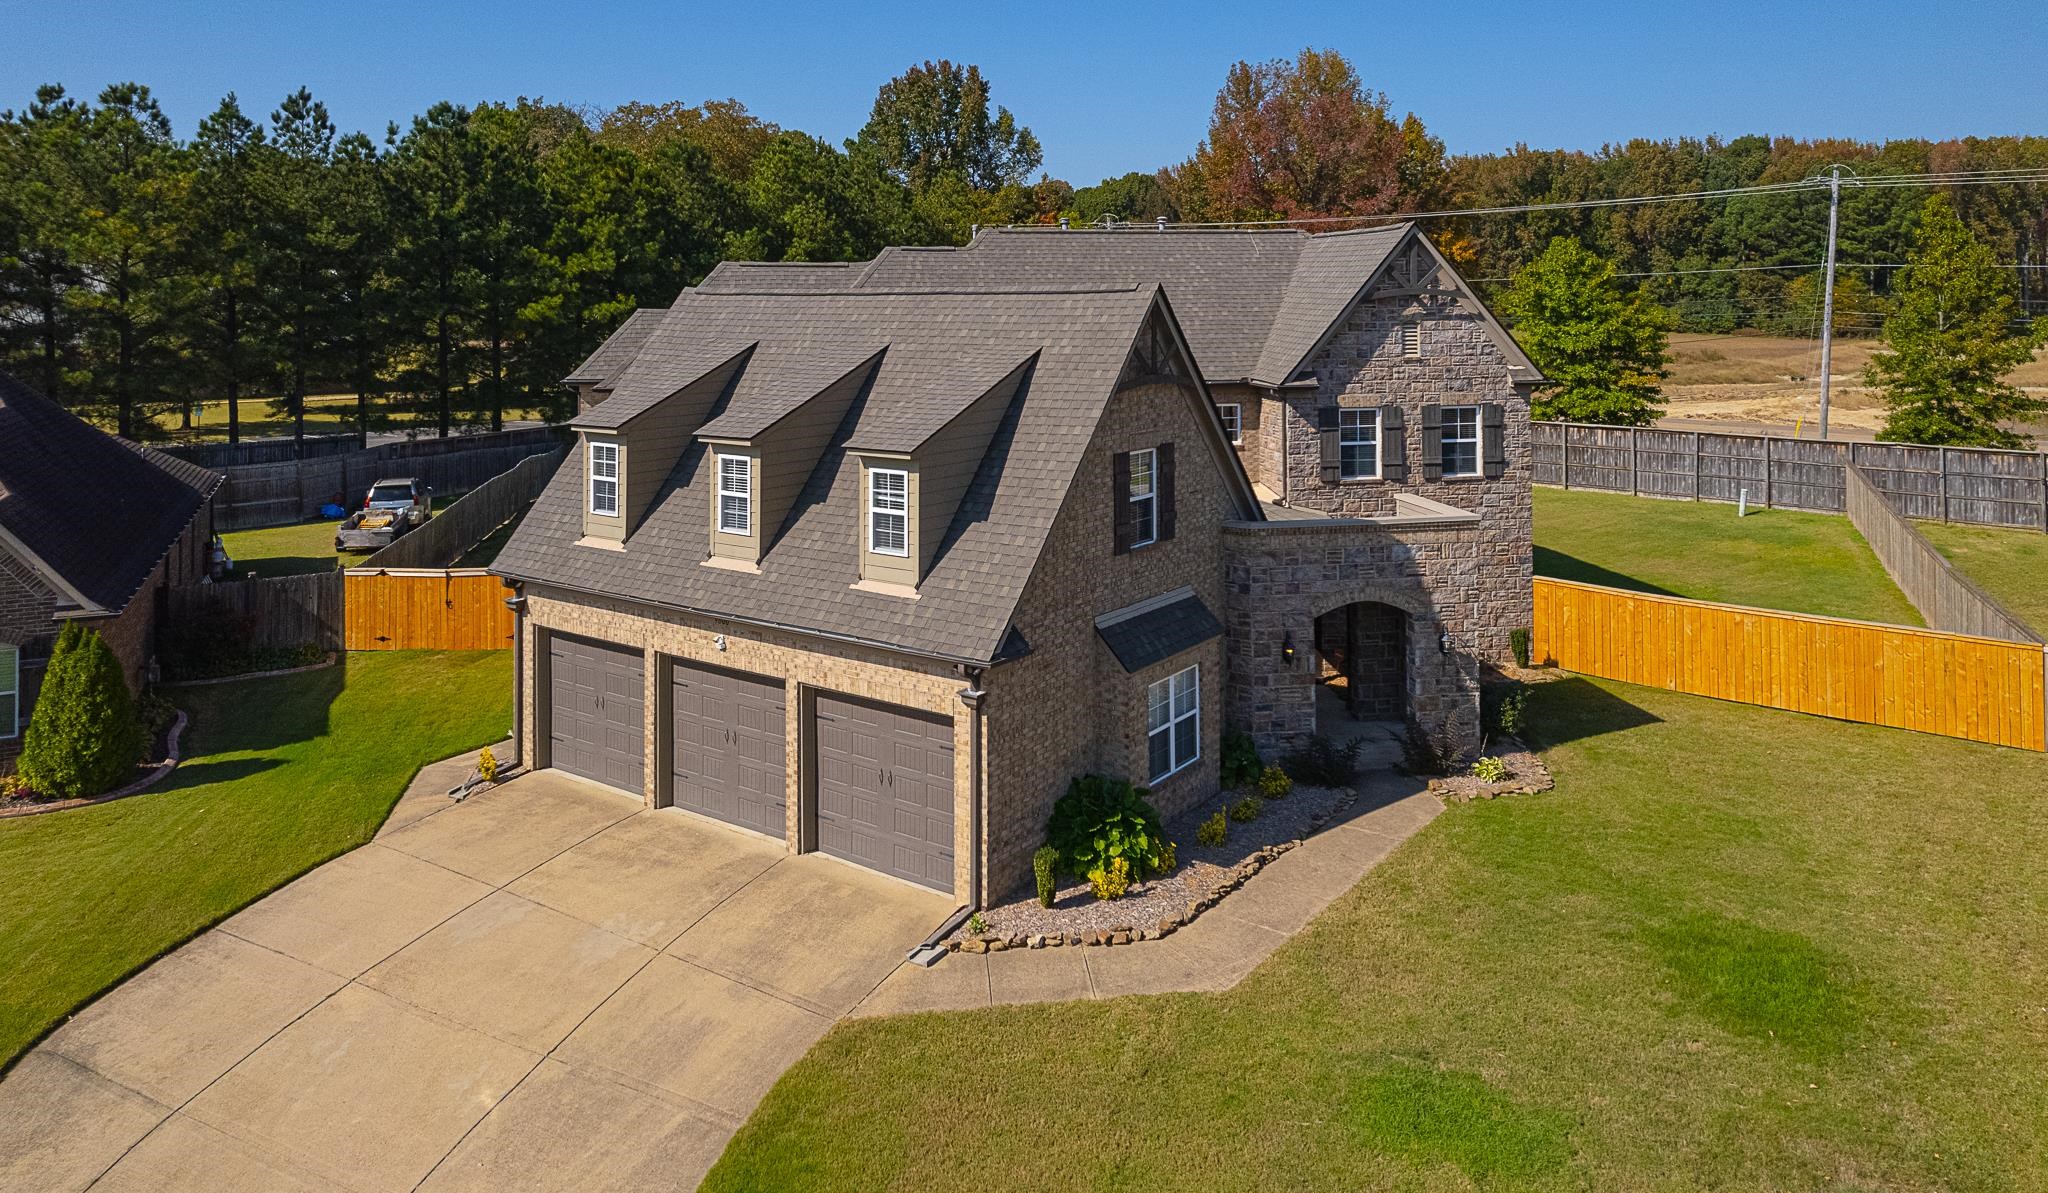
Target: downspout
[517,603]
[929,953]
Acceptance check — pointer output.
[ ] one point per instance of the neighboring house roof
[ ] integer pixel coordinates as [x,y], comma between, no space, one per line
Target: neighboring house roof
[617,351]
[93,513]
[1078,343]
[1254,303]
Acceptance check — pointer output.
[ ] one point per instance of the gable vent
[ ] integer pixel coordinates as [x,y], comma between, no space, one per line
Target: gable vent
[1411,340]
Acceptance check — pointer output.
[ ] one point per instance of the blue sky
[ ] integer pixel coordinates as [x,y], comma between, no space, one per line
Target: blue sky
[1107,87]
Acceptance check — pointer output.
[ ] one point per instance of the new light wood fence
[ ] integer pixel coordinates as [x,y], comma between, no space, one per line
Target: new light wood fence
[439,609]
[1946,598]
[1925,680]
[1977,486]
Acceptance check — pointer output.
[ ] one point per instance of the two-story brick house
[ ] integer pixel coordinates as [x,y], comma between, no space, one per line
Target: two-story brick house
[876,558]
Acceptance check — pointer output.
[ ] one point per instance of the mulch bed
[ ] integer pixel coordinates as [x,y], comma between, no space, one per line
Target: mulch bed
[160,760]
[1526,776]
[1204,874]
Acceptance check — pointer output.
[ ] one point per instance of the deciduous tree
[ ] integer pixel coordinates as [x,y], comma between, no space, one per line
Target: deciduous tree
[934,120]
[1602,353]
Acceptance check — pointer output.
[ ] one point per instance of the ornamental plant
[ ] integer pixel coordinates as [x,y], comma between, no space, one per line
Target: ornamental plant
[1044,867]
[1247,809]
[1213,831]
[1274,784]
[487,765]
[1240,759]
[1099,820]
[83,737]
[1491,770]
[1112,880]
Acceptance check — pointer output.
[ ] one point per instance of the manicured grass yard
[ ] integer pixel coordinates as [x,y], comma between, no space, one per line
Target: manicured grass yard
[1774,559]
[2011,565]
[286,550]
[281,775]
[1735,948]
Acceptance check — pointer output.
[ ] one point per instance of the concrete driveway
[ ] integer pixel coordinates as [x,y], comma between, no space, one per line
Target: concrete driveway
[544,987]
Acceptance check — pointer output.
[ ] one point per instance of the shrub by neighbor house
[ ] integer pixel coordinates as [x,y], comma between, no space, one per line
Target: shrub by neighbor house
[83,738]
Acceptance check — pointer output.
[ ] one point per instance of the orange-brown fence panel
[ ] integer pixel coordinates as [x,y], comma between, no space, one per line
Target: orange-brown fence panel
[439,609]
[1952,684]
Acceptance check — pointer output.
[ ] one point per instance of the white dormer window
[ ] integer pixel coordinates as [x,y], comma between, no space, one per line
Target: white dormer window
[889,511]
[1144,497]
[604,479]
[735,494]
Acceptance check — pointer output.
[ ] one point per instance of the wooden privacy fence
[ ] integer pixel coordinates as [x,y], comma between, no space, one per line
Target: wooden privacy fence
[1926,680]
[275,612]
[442,541]
[1946,598]
[434,609]
[277,494]
[1977,486]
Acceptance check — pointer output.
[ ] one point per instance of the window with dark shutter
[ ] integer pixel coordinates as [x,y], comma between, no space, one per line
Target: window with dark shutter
[1122,515]
[1328,422]
[1493,440]
[1432,443]
[1393,444]
[1164,487]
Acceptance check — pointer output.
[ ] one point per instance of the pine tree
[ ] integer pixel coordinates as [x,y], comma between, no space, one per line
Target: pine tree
[1954,332]
[82,738]
[1603,354]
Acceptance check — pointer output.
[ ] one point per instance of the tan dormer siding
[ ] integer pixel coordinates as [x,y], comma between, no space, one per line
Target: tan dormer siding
[946,465]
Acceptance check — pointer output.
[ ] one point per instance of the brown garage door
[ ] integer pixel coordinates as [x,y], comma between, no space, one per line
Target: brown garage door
[885,789]
[728,733]
[595,708]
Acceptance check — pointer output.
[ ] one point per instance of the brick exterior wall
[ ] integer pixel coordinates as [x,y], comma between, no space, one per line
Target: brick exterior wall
[806,665]
[27,607]
[1069,708]
[1362,365]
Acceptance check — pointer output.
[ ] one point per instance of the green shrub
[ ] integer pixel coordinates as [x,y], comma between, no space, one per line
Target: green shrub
[1169,859]
[1518,641]
[1420,754]
[1323,763]
[1506,709]
[154,713]
[976,925]
[1240,759]
[1491,770]
[1100,819]
[1112,880]
[1213,831]
[1045,866]
[1247,809]
[1274,783]
[82,737]
[487,764]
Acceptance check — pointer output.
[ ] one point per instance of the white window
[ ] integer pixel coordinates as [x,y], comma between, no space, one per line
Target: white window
[10,691]
[1411,340]
[735,494]
[1144,497]
[1233,420]
[889,511]
[1173,721]
[1358,444]
[1461,440]
[604,479]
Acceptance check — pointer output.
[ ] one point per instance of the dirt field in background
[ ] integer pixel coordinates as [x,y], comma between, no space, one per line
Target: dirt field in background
[1772,381]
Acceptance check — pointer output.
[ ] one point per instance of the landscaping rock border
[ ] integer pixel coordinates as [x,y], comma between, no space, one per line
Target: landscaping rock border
[1131,933]
[332,658]
[172,757]
[1526,776]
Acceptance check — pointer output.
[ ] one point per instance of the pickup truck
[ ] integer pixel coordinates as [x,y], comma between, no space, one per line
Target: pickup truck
[392,507]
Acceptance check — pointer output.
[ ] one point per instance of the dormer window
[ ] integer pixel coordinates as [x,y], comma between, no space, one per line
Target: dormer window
[888,511]
[735,494]
[1144,497]
[604,479]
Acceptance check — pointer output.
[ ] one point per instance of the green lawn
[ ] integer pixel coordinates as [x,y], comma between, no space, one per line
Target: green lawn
[1774,559]
[2011,565]
[300,548]
[280,775]
[1734,949]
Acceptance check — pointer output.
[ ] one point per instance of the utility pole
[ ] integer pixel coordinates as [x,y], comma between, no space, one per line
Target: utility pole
[1827,304]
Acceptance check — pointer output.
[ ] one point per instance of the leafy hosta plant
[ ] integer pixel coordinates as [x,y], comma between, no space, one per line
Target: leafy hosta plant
[1099,820]
[1491,770]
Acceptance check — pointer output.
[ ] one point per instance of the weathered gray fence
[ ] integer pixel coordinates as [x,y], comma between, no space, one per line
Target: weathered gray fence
[266,613]
[1977,486]
[1946,598]
[277,494]
[465,523]
[258,451]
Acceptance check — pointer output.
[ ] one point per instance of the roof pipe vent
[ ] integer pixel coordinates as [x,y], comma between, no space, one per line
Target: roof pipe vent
[1160,224]
[1063,223]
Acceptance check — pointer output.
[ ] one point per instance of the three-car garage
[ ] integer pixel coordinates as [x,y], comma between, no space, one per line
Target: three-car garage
[876,787]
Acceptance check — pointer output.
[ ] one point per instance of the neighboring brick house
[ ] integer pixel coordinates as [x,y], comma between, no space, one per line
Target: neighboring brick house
[93,529]
[877,558]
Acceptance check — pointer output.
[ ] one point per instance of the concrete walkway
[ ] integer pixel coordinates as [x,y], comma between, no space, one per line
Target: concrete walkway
[1214,953]
[546,986]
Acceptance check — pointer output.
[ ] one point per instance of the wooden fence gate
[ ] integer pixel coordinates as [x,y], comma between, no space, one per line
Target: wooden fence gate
[1951,684]
[427,609]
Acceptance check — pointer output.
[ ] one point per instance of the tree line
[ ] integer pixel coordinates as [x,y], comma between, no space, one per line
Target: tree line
[453,269]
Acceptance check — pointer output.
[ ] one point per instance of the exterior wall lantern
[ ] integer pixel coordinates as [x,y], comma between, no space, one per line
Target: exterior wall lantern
[1443,642]
[1287,649]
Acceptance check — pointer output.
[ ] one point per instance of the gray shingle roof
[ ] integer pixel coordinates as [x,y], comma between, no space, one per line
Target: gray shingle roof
[906,425]
[785,372]
[617,350]
[1146,638]
[934,341]
[99,511]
